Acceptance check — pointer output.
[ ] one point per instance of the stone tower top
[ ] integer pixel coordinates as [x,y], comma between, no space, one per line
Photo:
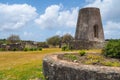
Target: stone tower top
[90,8]
[89,25]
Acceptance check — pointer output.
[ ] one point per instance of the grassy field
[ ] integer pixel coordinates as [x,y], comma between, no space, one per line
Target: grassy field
[23,65]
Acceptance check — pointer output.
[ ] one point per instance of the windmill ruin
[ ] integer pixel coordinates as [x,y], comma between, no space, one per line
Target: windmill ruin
[89,31]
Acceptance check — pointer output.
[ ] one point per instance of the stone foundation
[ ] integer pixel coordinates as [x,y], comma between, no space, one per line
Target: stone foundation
[78,44]
[55,69]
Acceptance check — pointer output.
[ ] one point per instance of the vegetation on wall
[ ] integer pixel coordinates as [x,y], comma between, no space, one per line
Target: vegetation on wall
[82,52]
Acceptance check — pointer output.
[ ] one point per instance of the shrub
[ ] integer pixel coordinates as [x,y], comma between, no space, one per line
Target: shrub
[82,53]
[2,49]
[31,49]
[34,49]
[71,48]
[15,49]
[71,57]
[112,49]
[40,49]
[108,63]
[64,48]
[94,59]
[25,49]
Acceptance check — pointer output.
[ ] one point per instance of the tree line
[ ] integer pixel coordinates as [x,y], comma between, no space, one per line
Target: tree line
[60,40]
[54,41]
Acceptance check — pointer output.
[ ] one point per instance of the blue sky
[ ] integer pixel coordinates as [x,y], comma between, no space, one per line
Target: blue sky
[40,19]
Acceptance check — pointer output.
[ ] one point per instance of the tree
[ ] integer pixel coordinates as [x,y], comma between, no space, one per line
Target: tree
[3,41]
[13,38]
[67,38]
[55,40]
[43,44]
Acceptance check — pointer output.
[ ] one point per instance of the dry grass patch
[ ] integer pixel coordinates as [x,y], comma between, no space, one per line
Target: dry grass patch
[22,65]
[91,57]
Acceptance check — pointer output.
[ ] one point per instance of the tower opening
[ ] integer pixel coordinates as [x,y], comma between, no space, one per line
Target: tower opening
[95,31]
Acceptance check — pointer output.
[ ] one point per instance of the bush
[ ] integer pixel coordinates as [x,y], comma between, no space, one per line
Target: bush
[2,49]
[112,49]
[31,49]
[67,48]
[71,57]
[64,48]
[71,48]
[25,49]
[40,49]
[15,49]
[82,53]
[34,49]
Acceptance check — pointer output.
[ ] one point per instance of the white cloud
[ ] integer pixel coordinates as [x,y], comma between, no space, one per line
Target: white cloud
[103,5]
[112,29]
[61,33]
[16,15]
[89,1]
[109,8]
[112,26]
[28,34]
[110,13]
[55,16]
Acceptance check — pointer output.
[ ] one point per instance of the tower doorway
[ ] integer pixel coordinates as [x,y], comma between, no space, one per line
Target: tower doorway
[95,28]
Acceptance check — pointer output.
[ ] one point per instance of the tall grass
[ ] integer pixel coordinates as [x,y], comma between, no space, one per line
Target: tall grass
[23,65]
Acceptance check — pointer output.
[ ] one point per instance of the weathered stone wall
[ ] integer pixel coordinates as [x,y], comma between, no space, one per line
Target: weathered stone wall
[80,44]
[55,69]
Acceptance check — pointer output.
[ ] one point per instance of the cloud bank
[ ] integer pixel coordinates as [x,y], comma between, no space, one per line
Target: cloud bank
[56,16]
[110,14]
[16,16]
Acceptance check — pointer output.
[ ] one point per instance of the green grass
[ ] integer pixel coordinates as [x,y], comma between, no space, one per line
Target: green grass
[23,65]
[71,57]
[92,57]
[27,65]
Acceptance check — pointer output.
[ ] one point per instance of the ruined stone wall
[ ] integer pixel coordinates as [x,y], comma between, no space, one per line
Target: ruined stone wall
[78,44]
[55,69]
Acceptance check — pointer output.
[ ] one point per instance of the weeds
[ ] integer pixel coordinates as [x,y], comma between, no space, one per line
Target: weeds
[82,53]
[71,57]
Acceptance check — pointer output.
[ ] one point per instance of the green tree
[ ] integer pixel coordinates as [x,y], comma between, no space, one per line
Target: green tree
[112,49]
[13,38]
[54,40]
[67,38]
[43,44]
[3,41]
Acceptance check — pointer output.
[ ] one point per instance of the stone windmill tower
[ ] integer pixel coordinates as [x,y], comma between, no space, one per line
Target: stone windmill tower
[89,32]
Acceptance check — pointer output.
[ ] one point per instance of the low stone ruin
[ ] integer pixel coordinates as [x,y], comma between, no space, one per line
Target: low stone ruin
[56,69]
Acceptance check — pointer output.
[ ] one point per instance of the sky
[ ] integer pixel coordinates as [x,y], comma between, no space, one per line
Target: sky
[38,20]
